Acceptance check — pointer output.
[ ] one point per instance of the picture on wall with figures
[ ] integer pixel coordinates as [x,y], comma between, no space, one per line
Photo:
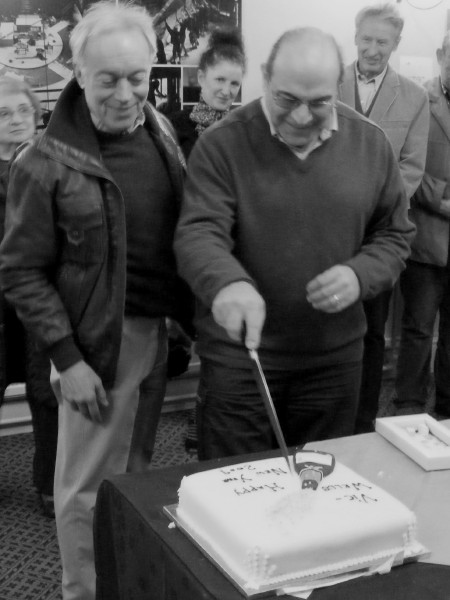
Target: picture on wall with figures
[34,44]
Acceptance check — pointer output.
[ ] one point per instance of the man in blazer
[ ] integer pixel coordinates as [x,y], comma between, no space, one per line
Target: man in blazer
[426,285]
[400,107]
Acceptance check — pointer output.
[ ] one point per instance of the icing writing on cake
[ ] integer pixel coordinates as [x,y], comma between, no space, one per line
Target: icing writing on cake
[274,487]
[358,498]
[356,488]
[263,527]
[247,473]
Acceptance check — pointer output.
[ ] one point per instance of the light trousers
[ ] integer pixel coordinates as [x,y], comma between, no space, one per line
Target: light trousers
[89,452]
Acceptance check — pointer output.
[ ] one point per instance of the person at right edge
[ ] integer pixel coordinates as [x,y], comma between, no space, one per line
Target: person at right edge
[425,283]
[400,107]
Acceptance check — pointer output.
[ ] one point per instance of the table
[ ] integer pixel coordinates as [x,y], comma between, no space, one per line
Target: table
[138,557]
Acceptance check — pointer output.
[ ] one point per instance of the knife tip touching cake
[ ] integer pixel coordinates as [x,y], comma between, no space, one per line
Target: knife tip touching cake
[267,529]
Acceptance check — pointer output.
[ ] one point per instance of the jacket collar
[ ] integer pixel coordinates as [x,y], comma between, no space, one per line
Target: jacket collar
[71,124]
[439,107]
[71,138]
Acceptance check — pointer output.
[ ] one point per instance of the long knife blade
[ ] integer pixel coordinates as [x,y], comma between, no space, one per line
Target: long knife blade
[271,411]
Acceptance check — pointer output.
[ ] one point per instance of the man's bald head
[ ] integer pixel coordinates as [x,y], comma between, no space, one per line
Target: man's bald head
[312,45]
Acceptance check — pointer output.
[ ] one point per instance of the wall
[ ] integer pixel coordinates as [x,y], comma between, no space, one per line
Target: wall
[264,20]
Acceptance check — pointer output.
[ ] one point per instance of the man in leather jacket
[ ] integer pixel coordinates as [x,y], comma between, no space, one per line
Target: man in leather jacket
[87,262]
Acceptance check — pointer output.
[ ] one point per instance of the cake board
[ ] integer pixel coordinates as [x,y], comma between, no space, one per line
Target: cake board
[301,584]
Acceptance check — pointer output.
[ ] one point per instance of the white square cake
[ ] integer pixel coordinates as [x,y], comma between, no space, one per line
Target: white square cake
[266,532]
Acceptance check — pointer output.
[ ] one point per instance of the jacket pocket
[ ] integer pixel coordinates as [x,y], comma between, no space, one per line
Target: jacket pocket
[82,237]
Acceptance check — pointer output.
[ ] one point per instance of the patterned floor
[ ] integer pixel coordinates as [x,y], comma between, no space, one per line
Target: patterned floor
[29,560]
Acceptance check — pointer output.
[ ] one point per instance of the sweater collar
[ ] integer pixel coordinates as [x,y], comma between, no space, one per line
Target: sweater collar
[140,120]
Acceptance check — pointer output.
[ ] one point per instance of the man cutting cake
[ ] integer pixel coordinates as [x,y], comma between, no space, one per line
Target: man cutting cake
[294,213]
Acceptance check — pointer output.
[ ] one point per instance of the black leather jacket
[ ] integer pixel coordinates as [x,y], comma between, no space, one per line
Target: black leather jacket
[63,258]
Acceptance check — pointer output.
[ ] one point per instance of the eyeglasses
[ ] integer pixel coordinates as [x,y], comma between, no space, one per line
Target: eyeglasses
[316,107]
[23,111]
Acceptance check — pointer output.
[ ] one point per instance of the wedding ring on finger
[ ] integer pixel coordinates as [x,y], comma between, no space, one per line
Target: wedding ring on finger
[335,300]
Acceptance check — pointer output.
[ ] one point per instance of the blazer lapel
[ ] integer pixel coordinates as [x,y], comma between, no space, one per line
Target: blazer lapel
[439,109]
[386,96]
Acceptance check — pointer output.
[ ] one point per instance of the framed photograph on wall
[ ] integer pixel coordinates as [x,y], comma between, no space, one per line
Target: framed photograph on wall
[34,44]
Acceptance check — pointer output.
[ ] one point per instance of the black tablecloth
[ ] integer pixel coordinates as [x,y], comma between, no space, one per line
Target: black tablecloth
[138,557]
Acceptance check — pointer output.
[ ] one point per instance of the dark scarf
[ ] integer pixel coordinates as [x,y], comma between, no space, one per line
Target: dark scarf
[204,116]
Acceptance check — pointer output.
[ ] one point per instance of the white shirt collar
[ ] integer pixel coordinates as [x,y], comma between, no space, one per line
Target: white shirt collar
[377,80]
[140,120]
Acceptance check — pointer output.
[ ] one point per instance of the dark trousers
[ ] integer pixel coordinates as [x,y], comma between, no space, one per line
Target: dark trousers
[426,291]
[22,361]
[311,404]
[377,311]
[44,416]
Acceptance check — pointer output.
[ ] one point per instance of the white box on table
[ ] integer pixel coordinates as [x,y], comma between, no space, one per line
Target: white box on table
[430,454]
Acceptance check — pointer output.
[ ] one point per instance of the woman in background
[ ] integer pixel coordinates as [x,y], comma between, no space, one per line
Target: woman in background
[20,361]
[220,73]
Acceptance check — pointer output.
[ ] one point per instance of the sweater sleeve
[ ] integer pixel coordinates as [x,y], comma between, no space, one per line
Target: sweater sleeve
[204,238]
[388,235]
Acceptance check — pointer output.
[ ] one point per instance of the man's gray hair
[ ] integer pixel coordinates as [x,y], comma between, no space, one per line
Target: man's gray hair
[107,16]
[385,12]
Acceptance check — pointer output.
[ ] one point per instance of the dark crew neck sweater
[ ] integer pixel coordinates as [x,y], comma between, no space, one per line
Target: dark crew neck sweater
[253,211]
[141,175]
